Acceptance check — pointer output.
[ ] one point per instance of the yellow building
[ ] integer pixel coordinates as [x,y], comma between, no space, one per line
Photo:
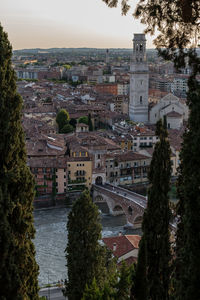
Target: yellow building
[79,166]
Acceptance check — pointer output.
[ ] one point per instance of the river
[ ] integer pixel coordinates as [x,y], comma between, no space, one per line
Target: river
[51,240]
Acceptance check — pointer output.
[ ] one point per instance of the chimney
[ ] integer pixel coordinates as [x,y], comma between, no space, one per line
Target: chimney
[114,246]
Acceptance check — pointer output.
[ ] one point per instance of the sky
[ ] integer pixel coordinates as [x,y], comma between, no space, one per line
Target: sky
[67,23]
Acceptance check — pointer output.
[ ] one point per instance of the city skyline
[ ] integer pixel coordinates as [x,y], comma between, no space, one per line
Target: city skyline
[68,24]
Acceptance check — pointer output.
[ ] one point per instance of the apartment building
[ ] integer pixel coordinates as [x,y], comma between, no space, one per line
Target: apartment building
[127,168]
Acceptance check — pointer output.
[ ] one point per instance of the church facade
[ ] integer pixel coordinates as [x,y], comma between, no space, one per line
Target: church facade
[171,107]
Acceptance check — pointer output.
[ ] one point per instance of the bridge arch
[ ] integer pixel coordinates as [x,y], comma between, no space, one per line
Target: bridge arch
[99,180]
[102,204]
[118,210]
[138,221]
[130,210]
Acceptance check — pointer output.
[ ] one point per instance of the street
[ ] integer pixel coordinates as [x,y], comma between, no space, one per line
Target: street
[54,293]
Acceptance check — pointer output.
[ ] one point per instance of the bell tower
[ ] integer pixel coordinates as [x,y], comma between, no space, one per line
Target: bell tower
[139,81]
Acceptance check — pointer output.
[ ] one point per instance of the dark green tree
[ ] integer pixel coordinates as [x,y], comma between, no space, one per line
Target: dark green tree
[86,258]
[73,122]
[156,222]
[187,262]
[123,285]
[93,292]
[67,128]
[90,123]
[62,119]
[18,268]
[83,120]
[139,290]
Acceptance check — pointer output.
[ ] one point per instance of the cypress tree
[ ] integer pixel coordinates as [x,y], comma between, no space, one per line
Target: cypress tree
[93,292]
[156,221]
[188,237]
[123,284]
[86,258]
[18,269]
[139,290]
[90,123]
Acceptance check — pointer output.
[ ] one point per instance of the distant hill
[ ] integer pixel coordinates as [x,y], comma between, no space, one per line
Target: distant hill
[68,50]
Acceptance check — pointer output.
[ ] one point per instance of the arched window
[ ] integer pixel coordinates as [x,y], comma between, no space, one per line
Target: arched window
[140,99]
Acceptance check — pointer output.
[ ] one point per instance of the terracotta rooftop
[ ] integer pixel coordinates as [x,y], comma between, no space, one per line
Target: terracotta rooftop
[123,244]
[47,162]
[128,156]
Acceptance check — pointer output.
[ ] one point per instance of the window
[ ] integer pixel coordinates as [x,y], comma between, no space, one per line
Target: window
[64,176]
[98,156]
[140,99]
[68,165]
[64,183]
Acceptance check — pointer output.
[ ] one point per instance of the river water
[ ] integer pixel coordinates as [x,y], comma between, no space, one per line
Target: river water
[51,240]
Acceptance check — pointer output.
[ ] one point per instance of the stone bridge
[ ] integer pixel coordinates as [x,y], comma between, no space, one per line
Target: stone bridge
[120,201]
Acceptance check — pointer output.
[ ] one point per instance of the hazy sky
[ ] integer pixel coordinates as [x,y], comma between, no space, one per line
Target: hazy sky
[67,23]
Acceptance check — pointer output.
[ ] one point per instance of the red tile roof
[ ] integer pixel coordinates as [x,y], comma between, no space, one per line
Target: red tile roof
[124,244]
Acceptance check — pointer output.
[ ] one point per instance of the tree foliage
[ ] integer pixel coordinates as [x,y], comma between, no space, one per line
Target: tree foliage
[123,285]
[140,288]
[18,268]
[86,258]
[155,244]
[90,123]
[92,292]
[73,122]
[177,23]
[188,242]
[67,128]
[83,120]
[62,118]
